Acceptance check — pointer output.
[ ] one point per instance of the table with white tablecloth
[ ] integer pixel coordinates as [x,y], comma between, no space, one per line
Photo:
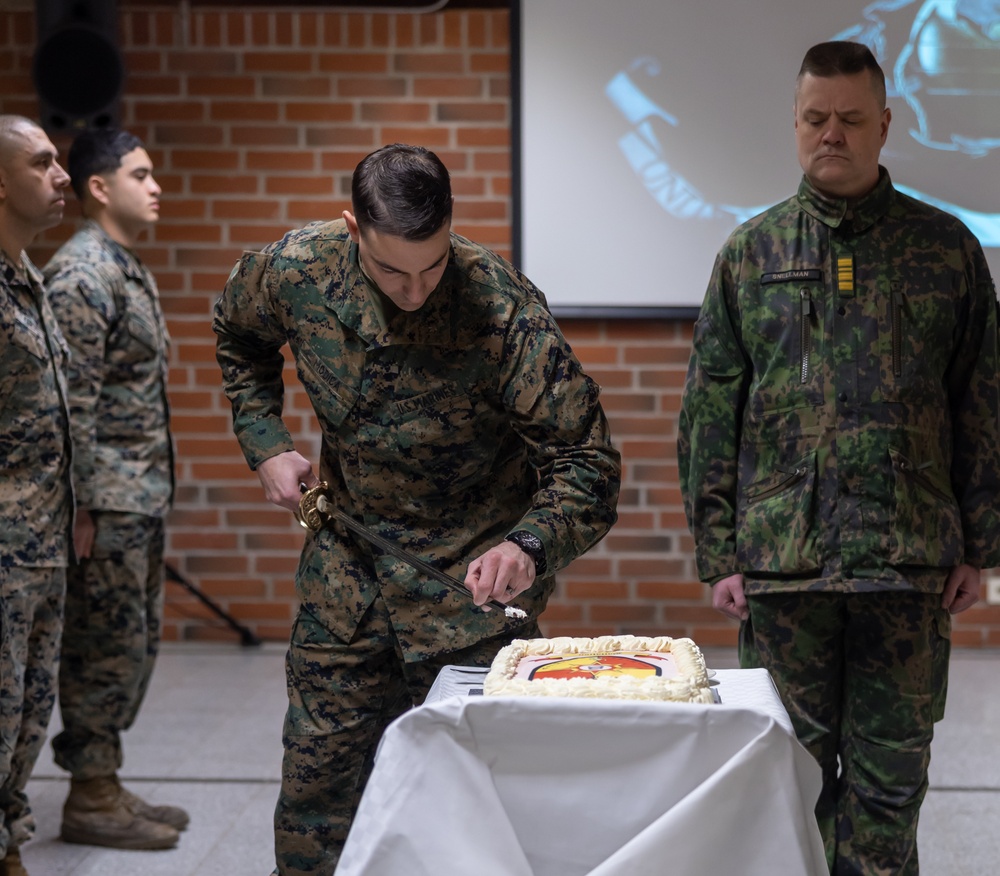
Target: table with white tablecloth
[734,687]
[468,785]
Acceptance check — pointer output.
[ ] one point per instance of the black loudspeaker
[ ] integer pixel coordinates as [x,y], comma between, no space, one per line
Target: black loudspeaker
[77,68]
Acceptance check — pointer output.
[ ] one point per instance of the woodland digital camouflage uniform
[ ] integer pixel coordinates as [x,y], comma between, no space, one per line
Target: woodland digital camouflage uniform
[463,421]
[108,306]
[35,518]
[840,434]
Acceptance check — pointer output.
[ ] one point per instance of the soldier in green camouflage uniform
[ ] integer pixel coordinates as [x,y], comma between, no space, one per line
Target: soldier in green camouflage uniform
[840,456]
[35,462]
[454,417]
[107,303]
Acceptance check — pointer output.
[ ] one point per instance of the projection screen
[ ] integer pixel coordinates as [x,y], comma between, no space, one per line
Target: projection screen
[646,130]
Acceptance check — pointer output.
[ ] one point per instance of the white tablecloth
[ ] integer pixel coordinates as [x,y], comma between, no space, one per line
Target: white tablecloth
[752,688]
[524,786]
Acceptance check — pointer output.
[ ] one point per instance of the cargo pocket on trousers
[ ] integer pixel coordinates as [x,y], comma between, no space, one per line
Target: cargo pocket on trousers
[746,647]
[940,657]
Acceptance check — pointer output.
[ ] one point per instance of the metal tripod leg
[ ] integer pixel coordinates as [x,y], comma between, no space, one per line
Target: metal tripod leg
[247,637]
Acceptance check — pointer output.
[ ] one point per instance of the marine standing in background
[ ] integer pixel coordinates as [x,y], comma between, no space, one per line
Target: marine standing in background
[456,422]
[108,306]
[36,498]
[840,456]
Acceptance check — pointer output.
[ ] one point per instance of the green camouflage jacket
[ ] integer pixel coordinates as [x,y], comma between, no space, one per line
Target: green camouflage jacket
[444,431]
[840,427]
[109,310]
[36,495]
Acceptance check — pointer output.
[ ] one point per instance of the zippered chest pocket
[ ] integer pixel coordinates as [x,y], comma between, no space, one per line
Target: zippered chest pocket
[783,331]
[915,342]
[805,332]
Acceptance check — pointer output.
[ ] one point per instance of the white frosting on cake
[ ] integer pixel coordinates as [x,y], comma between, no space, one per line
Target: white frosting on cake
[623,667]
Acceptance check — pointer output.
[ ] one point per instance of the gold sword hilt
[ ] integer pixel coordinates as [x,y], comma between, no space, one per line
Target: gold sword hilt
[314,507]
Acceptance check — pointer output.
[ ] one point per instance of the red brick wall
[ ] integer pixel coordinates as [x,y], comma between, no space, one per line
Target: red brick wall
[255,120]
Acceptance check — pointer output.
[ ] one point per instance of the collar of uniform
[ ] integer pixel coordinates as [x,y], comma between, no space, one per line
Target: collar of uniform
[351,296]
[126,260]
[23,274]
[385,308]
[10,270]
[348,294]
[855,216]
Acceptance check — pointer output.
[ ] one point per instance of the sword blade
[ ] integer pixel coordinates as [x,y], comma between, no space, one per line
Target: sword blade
[324,506]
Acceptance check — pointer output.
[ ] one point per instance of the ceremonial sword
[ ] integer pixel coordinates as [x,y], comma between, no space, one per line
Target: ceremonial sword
[316,509]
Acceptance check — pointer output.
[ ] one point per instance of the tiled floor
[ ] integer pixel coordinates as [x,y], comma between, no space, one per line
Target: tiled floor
[208,739]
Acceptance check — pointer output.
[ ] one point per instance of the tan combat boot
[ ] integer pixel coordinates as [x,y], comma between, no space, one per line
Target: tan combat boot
[11,865]
[97,813]
[176,817]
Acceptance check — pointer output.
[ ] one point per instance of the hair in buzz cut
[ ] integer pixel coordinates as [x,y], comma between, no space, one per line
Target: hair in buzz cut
[97,152]
[843,58]
[401,190]
[12,128]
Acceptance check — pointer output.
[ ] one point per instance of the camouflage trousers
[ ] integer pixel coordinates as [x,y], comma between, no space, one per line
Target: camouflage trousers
[342,696]
[864,678]
[31,600]
[114,613]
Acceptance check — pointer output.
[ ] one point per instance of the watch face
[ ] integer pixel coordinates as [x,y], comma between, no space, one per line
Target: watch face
[532,545]
[531,542]
[526,541]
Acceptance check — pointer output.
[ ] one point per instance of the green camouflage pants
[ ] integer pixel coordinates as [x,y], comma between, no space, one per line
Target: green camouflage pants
[341,698]
[32,601]
[864,677]
[114,611]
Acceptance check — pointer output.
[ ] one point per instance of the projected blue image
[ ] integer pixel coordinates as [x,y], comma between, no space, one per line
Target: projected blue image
[948,71]
[646,154]
[942,64]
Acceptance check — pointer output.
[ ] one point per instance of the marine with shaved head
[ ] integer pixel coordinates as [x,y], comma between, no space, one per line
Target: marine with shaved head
[35,490]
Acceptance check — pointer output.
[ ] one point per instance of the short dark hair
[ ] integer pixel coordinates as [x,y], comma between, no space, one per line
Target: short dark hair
[402,190]
[97,151]
[843,58]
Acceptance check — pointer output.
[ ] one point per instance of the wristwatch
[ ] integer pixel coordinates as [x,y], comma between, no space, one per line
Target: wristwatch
[532,545]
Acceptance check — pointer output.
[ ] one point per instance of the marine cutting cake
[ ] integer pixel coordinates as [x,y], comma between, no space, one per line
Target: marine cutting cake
[609,667]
